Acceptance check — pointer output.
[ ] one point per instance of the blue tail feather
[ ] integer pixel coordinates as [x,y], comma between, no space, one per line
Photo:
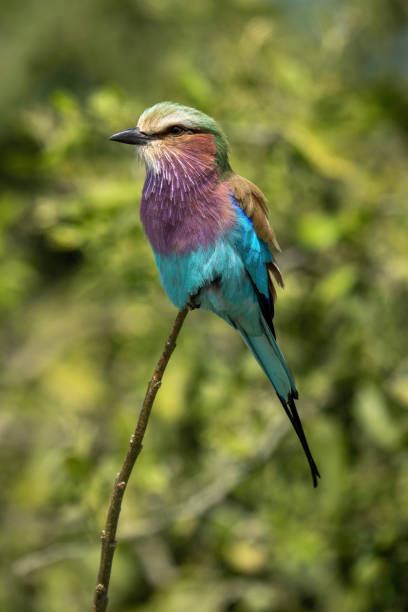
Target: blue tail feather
[269,356]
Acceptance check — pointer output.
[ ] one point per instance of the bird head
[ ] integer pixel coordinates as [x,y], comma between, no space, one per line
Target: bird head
[168,133]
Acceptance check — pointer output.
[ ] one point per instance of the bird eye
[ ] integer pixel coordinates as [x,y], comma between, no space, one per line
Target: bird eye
[176,129]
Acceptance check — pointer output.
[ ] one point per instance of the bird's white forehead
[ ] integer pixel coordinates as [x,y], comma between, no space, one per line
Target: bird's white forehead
[158,120]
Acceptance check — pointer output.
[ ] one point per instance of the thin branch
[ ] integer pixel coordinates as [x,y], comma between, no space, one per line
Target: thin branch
[203,499]
[207,496]
[108,535]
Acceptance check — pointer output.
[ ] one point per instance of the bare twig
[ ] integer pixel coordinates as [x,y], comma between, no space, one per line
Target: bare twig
[108,535]
[203,498]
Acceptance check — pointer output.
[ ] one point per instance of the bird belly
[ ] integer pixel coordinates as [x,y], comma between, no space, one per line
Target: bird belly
[234,300]
[215,278]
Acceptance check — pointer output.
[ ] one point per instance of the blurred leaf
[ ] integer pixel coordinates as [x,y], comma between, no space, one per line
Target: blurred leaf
[318,230]
[375,418]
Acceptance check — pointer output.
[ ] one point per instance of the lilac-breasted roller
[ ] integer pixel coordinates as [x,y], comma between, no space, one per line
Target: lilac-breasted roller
[210,235]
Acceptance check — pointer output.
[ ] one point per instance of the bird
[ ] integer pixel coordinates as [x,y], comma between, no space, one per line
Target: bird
[210,235]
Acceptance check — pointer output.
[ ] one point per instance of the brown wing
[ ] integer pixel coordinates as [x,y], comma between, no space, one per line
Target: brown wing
[253,203]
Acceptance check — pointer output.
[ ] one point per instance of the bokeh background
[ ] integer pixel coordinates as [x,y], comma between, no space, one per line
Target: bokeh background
[220,514]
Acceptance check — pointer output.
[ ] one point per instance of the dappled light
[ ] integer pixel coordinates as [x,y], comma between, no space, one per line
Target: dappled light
[220,514]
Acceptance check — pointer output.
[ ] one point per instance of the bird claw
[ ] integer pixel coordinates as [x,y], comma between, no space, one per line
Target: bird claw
[192,305]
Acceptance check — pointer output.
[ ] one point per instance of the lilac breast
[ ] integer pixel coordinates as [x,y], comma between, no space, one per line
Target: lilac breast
[180,214]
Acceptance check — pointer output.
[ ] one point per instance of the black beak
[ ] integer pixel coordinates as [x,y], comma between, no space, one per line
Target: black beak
[133,136]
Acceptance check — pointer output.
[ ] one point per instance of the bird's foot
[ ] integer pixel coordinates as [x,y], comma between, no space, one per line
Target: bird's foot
[192,305]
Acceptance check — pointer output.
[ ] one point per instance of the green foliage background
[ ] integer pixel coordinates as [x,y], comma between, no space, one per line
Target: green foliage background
[220,514]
